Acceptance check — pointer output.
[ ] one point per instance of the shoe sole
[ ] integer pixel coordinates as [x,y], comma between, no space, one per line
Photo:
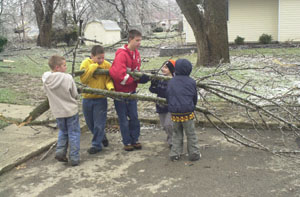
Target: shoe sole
[137,147]
[105,143]
[129,149]
[60,159]
[92,152]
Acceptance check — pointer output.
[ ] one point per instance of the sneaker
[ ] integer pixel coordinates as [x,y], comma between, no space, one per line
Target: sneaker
[74,163]
[194,157]
[61,158]
[105,142]
[128,148]
[93,150]
[175,158]
[137,146]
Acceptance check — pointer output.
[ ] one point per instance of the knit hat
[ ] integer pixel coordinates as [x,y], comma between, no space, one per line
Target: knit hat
[171,66]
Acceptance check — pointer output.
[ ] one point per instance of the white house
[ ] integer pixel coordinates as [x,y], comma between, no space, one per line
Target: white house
[251,18]
[104,31]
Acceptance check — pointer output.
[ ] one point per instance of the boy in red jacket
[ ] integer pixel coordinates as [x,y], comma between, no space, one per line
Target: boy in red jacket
[128,58]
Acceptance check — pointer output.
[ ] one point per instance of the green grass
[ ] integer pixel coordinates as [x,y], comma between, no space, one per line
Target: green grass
[266,51]
[3,124]
[8,96]
[34,62]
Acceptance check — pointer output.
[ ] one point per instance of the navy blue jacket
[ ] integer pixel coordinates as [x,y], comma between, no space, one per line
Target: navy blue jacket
[182,89]
[159,87]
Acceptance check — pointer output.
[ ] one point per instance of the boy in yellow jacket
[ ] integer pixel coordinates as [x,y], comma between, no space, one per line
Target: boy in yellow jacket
[95,106]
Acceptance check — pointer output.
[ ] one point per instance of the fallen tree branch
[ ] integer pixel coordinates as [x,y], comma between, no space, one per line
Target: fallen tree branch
[39,110]
[46,154]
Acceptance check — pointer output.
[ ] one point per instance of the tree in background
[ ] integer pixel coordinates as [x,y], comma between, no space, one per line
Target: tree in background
[1,11]
[208,20]
[44,11]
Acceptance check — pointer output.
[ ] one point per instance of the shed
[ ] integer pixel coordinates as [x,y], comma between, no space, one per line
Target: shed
[252,18]
[104,31]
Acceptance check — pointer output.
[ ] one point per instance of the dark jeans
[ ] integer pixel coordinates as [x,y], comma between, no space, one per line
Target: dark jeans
[94,111]
[128,120]
[69,133]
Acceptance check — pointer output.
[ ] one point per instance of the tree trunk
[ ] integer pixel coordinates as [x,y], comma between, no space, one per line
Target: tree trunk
[209,23]
[44,14]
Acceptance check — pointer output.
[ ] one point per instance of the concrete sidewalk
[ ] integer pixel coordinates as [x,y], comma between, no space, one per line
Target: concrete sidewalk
[20,144]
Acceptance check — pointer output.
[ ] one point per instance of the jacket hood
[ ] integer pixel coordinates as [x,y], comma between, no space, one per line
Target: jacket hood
[52,80]
[123,48]
[126,49]
[183,67]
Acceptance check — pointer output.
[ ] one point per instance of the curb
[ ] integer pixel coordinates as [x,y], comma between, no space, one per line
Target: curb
[27,156]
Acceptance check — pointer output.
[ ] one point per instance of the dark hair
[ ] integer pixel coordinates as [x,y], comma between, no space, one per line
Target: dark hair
[133,33]
[97,49]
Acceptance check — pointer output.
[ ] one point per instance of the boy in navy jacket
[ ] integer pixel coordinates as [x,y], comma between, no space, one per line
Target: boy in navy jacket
[182,99]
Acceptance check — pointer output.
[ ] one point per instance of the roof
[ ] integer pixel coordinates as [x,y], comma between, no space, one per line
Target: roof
[108,25]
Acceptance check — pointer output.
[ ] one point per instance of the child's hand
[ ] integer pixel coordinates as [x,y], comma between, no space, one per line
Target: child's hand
[144,79]
[154,82]
[79,90]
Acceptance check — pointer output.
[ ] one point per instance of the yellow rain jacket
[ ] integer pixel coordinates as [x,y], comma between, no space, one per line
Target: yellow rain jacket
[95,81]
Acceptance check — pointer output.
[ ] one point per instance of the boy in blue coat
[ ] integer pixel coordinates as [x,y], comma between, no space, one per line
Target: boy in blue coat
[182,99]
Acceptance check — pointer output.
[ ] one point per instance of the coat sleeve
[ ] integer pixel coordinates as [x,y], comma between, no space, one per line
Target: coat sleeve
[89,71]
[109,83]
[195,98]
[73,89]
[118,71]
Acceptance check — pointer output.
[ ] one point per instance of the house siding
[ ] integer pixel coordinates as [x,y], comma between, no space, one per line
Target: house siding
[189,34]
[248,19]
[251,18]
[289,20]
[96,31]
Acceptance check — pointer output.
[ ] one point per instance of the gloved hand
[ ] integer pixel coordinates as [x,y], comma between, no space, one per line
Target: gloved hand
[154,83]
[144,79]
[79,90]
[153,72]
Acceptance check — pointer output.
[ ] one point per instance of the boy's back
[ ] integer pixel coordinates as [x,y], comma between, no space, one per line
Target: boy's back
[182,99]
[182,90]
[61,92]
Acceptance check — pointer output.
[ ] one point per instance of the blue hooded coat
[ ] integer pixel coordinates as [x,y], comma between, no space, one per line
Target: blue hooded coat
[182,90]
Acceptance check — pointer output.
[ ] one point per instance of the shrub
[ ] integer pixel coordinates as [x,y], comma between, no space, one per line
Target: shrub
[3,42]
[67,35]
[239,40]
[158,29]
[265,39]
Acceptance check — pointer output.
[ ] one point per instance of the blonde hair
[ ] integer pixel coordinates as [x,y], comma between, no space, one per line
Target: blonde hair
[55,60]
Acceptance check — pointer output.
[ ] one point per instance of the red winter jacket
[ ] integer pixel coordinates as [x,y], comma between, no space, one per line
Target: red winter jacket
[125,60]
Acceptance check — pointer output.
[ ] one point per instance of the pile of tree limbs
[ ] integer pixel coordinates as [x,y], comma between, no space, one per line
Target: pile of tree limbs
[231,133]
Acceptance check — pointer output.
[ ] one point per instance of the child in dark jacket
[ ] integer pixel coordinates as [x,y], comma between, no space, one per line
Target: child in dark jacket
[159,87]
[182,99]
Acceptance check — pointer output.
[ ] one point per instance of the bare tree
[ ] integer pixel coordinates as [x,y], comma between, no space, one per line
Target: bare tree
[1,6]
[78,9]
[208,21]
[1,11]
[44,11]
[21,4]
[120,7]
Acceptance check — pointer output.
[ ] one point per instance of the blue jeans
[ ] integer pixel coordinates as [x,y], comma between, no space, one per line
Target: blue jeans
[69,133]
[94,111]
[130,128]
